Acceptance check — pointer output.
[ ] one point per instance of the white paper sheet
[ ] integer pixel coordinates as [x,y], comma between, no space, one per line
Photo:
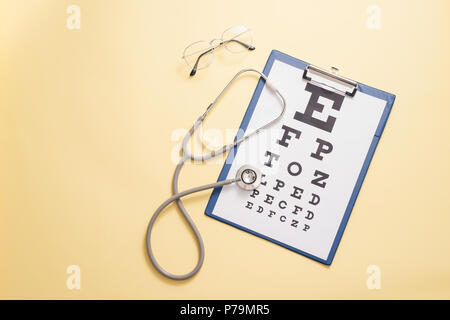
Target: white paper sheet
[351,137]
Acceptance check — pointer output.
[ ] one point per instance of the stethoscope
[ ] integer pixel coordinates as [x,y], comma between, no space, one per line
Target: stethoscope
[247,177]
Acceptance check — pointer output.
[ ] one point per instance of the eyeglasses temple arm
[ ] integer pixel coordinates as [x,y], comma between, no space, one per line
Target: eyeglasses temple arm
[194,69]
[248,46]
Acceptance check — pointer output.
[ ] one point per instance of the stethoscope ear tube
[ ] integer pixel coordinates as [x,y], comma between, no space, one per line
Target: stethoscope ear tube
[225,148]
[247,178]
[173,198]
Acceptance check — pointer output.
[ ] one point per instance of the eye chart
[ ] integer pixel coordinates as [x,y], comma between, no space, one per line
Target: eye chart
[313,160]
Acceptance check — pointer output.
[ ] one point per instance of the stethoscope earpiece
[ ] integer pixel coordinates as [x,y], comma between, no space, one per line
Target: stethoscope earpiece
[248,177]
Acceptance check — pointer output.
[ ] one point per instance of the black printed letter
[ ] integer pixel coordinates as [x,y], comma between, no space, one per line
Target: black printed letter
[322,176]
[297,193]
[310,215]
[286,135]
[297,209]
[315,199]
[255,192]
[296,171]
[321,149]
[284,204]
[280,184]
[271,157]
[269,199]
[313,105]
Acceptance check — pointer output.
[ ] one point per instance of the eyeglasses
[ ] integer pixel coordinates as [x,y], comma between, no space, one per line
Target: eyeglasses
[199,55]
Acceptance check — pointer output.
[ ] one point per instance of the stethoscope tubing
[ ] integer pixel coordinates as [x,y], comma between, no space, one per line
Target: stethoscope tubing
[178,195]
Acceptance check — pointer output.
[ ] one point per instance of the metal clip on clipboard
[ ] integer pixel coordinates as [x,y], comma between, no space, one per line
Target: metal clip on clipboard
[331,77]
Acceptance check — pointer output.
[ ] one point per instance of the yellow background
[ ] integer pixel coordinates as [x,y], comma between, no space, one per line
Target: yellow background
[86,123]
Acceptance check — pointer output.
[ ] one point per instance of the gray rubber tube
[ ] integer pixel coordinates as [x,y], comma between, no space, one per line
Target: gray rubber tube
[188,156]
[176,197]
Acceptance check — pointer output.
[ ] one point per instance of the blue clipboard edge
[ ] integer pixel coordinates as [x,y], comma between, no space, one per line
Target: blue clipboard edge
[388,97]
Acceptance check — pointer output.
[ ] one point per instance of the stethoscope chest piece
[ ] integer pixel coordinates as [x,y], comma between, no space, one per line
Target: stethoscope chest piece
[248,177]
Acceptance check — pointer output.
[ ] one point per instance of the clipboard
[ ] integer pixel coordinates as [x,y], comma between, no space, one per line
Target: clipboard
[280,208]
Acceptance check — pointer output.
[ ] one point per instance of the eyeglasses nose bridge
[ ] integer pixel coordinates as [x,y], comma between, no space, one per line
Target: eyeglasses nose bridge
[215,39]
